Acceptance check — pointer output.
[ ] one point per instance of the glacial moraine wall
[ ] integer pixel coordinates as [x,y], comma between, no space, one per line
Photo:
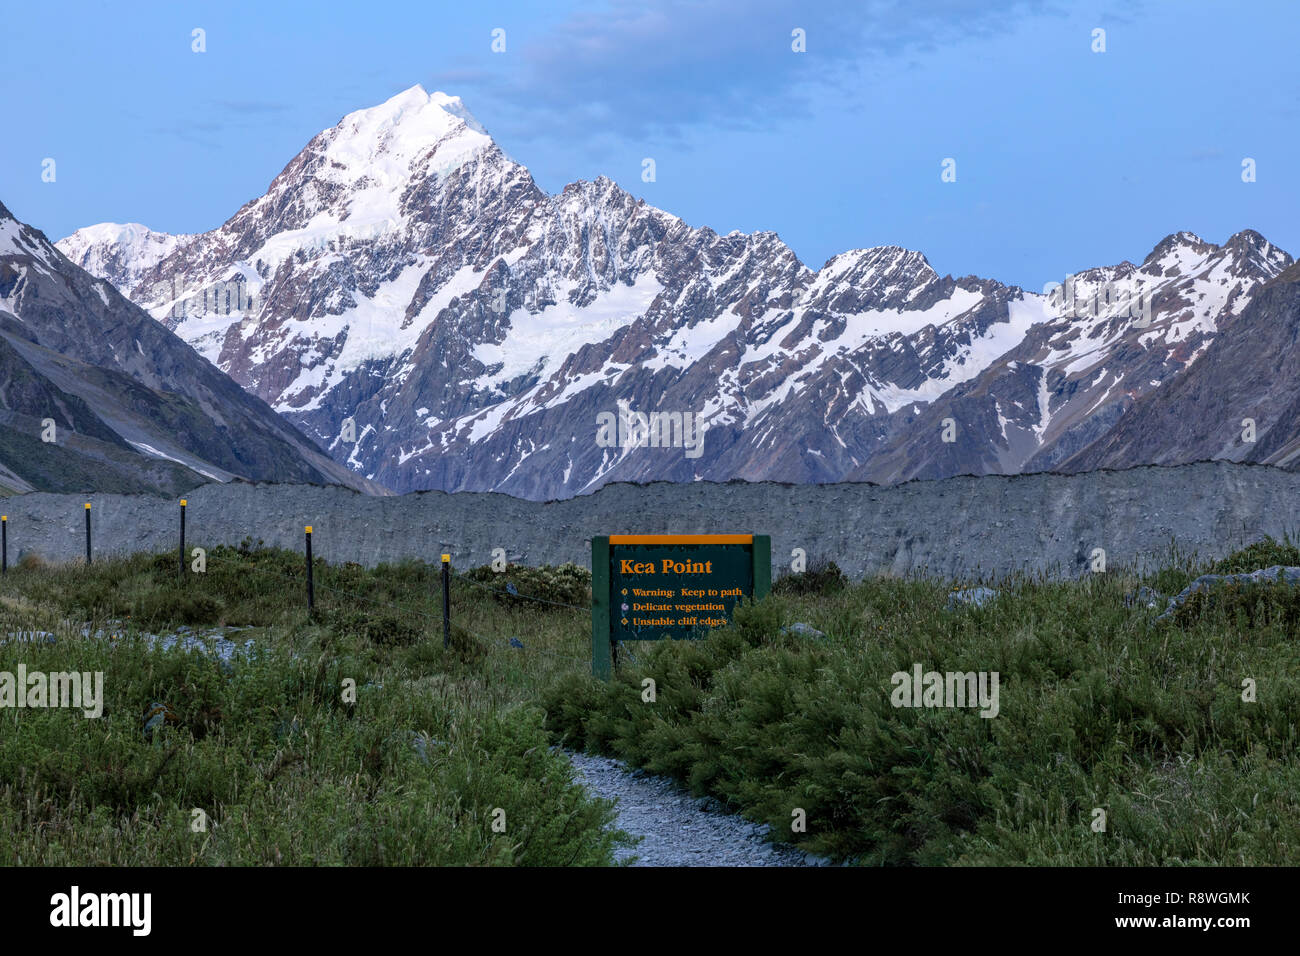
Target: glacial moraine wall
[956,528]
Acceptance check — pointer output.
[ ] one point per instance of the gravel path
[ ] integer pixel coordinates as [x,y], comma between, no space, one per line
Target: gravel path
[678,829]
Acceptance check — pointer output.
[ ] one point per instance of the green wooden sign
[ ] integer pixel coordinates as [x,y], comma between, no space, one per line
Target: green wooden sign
[650,587]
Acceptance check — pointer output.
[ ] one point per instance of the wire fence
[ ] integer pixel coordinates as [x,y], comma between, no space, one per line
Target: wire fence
[307,580]
[515,593]
[434,619]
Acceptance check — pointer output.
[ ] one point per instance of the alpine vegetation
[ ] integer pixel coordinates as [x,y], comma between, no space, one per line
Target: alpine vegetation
[813,700]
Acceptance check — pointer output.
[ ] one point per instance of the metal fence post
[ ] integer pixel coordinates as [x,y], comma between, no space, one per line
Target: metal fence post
[446,601]
[87,532]
[181,565]
[311,588]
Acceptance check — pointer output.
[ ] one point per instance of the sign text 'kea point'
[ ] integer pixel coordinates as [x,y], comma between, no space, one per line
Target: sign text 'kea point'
[650,587]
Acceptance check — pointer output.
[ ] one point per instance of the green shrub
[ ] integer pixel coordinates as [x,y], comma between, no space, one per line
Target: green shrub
[377,624]
[822,577]
[158,608]
[1097,709]
[466,648]
[547,586]
[286,774]
[31,561]
[1262,554]
[1242,605]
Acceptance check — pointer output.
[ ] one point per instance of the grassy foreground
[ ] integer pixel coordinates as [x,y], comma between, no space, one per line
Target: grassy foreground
[445,757]
[1102,711]
[439,758]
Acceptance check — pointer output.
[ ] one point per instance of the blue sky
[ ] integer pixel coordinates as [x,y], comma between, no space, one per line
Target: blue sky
[1065,158]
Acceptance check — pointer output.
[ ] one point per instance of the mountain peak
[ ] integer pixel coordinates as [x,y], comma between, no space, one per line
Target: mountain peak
[19,239]
[117,233]
[1170,248]
[1252,250]
[380,143]
[1249,241]
[119,252]
[878,259]
[416,111]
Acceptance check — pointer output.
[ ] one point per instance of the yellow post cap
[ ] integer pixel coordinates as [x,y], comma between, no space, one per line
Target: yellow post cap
[446,559]
[87,505]
[4,517]
[182,502]
[309,529]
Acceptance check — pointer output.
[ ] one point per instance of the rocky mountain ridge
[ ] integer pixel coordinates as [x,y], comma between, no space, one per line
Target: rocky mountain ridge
[408,296]
[95,395]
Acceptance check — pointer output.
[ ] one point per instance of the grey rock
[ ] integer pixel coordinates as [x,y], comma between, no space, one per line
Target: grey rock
[424,745]
[1277,574]
[1050,523]
[1145,597]
[976,597]
[157,714]
[30,637]
[800,629]
[212,645]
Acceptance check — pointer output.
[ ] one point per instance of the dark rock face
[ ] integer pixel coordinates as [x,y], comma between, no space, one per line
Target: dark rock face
[407,296]
[1248,373]
[127,404]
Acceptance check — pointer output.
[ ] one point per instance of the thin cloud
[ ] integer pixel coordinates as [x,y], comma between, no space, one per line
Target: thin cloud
[641,68]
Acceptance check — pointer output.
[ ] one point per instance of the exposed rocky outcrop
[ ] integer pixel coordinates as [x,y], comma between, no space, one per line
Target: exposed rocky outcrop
[1240,401]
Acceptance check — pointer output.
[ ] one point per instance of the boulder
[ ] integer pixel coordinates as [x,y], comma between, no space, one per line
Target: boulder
[803,630]
[1145,597]
[1277,574]
[977,597]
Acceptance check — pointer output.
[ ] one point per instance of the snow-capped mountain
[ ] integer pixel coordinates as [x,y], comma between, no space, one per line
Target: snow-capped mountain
[1240,401]
[98,396]
[1073,376]
[119,253]
[407,295]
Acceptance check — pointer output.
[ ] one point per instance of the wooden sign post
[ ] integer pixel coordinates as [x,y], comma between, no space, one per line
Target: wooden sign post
[650,587]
